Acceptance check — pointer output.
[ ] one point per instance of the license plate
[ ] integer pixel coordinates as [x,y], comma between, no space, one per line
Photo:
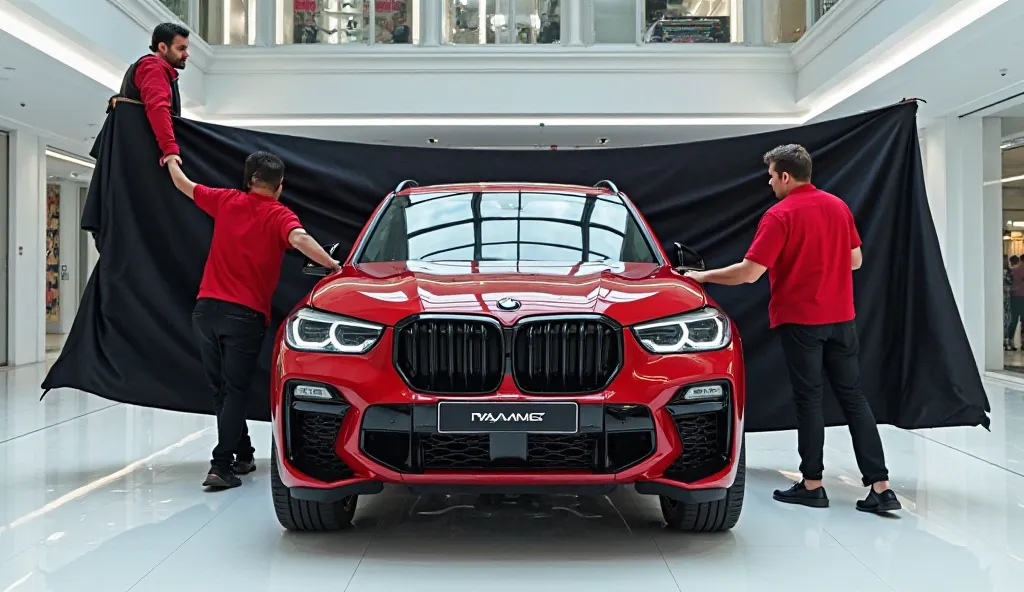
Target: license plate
[456,417]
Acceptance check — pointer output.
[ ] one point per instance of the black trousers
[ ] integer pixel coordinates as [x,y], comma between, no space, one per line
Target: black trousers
[813,351]
[230,337]
[1016,314]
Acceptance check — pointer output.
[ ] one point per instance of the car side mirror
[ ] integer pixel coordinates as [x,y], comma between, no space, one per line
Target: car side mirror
[310,267]
[687,259]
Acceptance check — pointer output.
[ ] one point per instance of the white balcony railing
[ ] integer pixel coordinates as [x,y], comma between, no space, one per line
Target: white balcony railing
[499,22]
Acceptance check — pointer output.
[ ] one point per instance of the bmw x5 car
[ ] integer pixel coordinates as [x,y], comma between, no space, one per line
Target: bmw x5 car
[508,339]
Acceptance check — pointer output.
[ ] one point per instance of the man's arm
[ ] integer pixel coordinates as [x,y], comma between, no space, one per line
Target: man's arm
[856,258]
[303,243]
[744,272]
[183,183]
[155,91]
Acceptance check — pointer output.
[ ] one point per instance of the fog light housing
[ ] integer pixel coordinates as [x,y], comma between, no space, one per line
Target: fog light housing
[704,392]
[310,392]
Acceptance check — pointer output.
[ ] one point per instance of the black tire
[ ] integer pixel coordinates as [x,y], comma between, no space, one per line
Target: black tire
[307,516]
[716,516]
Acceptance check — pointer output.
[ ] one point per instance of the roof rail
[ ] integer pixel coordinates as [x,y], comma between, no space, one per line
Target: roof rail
[404,184]
[609,184]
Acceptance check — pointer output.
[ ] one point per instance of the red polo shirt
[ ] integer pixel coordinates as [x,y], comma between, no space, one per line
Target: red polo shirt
[153,77]
[805,242]
[250,237]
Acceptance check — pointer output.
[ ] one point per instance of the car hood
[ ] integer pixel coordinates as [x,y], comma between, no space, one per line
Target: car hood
[388,292]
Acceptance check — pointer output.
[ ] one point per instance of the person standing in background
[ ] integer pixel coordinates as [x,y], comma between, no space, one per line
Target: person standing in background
[251,232]
[809,245]
[1016,300]
[153,81]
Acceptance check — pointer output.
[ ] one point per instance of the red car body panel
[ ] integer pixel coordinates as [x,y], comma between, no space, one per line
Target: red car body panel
[629,293]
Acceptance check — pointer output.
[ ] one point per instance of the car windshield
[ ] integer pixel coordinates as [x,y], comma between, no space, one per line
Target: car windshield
[507,226]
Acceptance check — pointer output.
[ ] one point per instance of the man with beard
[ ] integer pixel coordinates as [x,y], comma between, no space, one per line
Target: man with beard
[809,245]
[153,81]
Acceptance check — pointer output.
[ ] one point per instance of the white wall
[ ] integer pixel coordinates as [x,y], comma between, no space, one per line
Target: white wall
[960,154]
[27,250]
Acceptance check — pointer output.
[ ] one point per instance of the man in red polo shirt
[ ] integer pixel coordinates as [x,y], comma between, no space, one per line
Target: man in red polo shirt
[153,80]
[809,245]
[251,232]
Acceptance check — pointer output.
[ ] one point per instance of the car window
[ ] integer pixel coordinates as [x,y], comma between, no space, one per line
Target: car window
[507,226]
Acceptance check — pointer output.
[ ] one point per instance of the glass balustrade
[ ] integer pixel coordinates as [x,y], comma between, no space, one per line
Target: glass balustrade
[504,22]
[218,22]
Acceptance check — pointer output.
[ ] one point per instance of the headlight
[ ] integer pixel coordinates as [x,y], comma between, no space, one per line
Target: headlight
[317,331]
[703,330]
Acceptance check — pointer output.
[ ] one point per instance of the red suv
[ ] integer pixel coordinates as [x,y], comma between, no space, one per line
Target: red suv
[508,339]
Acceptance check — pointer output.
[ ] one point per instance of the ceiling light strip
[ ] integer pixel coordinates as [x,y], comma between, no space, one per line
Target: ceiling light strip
[1002,181]
[69,158]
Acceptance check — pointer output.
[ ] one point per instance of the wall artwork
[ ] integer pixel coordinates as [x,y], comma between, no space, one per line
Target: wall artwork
[52,253]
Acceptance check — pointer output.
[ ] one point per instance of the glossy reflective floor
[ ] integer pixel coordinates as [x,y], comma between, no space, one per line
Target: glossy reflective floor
[101,496]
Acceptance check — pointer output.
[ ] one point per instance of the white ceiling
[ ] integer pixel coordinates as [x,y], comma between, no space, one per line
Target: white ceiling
[58,170]
[59,102]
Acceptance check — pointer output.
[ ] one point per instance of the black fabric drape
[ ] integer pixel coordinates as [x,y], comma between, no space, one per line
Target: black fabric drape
[132,340]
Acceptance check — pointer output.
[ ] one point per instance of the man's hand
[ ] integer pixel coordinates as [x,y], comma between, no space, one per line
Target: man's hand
[698,276]
[170,158]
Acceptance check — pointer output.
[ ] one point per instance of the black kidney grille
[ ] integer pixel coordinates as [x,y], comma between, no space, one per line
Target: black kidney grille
[705,446]
[566,356]
[313,436]
[450,356]
[545,451]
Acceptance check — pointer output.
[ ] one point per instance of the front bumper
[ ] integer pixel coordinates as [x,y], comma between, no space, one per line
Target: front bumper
[637,431]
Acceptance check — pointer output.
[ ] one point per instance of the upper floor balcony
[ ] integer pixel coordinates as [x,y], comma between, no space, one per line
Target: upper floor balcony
[498,22]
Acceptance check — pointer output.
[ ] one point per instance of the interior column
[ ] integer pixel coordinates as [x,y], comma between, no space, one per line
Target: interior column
[960,155]
[27,255]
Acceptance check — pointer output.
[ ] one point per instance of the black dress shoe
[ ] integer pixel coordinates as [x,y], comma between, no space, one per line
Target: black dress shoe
[243,466]
[219,478]
[879,503]
[799,494]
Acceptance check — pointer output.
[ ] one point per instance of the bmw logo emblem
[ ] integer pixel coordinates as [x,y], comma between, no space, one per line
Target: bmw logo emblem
[508,304]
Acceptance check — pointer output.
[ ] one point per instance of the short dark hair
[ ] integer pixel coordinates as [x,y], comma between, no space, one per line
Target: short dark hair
[1014,260]
[165,33]
[265,169]
[791,158]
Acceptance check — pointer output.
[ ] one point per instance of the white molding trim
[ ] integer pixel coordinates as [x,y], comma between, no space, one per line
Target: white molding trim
[326,59]
[830,27]
[150,13]
[1006,378]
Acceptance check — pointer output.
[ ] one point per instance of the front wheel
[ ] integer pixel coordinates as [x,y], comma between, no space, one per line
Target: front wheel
[304,515]
[716,516]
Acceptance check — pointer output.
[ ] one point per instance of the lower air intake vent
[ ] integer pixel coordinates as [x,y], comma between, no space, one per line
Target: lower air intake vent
[313,436]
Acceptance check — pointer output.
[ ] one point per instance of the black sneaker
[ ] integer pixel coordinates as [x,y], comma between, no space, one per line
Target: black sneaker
[243,466]
[879,503]
[799,494]
[219,478]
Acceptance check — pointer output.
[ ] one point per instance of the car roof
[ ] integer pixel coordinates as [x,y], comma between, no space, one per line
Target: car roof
[507,186]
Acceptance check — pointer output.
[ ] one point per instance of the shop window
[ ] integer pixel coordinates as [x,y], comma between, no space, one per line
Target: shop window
[336,22]
[690,21]
[217,22]
[502,22]
[610,21]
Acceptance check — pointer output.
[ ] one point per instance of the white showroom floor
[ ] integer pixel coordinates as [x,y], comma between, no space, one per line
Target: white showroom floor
[101,496]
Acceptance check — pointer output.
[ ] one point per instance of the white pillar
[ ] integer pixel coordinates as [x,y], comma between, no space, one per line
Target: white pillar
[572,10]
[27,255]
[266,19]
[432,21]
[753,22]
[959,155]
